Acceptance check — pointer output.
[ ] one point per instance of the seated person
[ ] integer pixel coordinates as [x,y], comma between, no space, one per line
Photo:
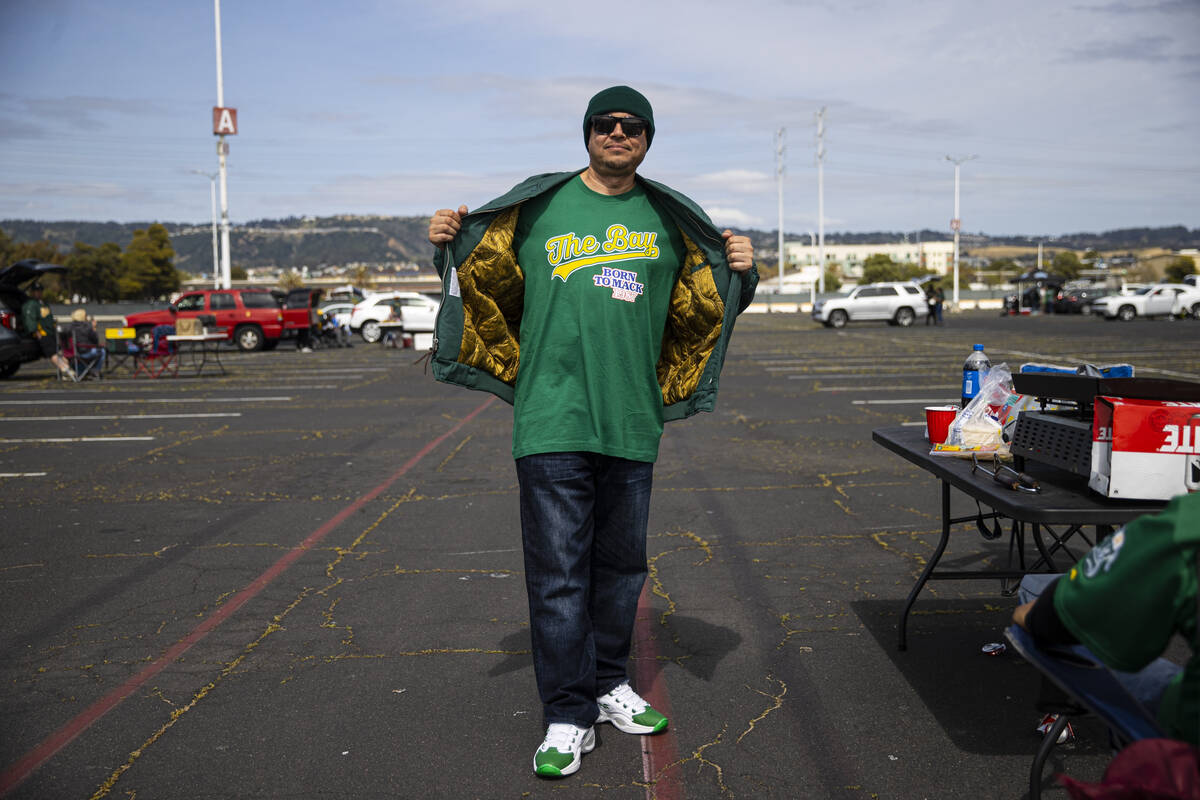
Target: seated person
[87,342]
[1124,601]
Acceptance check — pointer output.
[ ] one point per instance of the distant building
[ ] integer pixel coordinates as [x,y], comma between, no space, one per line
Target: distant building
[937,257]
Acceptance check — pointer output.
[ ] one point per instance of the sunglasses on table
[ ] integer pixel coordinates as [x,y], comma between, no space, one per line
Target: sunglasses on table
[604,124]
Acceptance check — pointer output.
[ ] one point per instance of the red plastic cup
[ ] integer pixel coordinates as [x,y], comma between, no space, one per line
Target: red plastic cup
[937,422]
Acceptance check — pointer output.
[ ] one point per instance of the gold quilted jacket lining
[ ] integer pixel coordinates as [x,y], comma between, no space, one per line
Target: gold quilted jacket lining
[492,284]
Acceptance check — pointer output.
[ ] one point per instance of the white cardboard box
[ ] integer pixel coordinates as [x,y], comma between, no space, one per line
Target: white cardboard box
[1145,449]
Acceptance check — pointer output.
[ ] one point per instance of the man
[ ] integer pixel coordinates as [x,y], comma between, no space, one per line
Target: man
[1124,601]
[38,321]
[599,304]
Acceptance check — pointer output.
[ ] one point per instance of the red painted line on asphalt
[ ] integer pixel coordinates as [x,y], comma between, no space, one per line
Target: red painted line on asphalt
[659,752]
[24,767]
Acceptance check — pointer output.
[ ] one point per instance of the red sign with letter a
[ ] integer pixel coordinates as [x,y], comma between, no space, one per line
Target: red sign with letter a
[224,121]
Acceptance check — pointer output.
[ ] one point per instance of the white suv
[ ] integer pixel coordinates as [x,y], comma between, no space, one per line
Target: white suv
[416,313]
[1156,300]
[898,303]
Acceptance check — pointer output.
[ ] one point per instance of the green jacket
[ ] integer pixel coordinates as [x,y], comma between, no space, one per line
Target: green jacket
[33,319]
[477,340]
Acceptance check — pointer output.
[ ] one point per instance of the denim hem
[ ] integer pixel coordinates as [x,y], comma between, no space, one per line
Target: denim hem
[563,720]
[601,693]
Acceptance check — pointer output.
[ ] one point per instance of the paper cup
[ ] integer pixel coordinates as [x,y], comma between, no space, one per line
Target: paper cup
[937,422]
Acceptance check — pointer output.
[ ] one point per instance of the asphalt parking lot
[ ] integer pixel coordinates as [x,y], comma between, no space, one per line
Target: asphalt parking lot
[303,579]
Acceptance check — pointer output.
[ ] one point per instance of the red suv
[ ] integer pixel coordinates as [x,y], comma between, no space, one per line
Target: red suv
[252,318]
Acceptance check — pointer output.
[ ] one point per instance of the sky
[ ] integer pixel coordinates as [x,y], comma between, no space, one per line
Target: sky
[1074,115]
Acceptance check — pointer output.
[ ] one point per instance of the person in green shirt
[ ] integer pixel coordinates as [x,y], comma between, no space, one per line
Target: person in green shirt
[600,255]
[38,321]
[1124,601]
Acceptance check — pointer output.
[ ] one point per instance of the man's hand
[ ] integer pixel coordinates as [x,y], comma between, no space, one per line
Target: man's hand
[445,225]
[738,251]
[1020,613]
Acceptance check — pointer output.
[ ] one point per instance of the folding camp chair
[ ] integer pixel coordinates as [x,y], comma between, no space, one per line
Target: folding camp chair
[84,358]
[1090,687]
[122,349]
[159,358]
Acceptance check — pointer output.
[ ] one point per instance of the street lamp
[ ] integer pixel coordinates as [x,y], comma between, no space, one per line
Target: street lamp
[956,223]
[212,193]
[222,153]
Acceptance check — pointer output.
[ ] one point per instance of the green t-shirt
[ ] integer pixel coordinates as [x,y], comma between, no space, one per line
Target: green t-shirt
[1127,597]
[599,271]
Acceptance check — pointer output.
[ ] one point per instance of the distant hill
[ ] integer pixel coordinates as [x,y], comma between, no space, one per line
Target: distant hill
[349,239]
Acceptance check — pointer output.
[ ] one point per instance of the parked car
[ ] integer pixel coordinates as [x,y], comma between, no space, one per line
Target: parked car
[416,312]
[17,346]
[1157,300]
[1078,299]
[898,303]
[252,318]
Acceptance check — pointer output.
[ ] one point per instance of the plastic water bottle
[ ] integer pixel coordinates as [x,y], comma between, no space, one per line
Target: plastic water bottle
[975,369]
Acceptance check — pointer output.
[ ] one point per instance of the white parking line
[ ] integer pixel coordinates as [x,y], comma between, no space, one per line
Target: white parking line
[77,401]
[120,416]
[23,474]
[859,375]
[88,439]
[877,388]
[283,384]
[909,401]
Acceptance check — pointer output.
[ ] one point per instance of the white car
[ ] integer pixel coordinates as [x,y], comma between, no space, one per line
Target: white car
[415,311]
[1156,300]
[898,303]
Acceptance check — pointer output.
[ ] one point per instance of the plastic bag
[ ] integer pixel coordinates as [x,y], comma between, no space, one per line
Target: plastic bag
[980,426]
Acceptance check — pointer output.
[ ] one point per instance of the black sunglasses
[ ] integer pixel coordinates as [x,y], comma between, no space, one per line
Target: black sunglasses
[604,124]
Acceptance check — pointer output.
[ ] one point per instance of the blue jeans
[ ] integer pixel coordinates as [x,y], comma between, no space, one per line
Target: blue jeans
[583,527]
[95,356]
[1147,684]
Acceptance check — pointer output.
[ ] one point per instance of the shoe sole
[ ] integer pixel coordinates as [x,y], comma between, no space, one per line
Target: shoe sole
[633,727]
[551,771]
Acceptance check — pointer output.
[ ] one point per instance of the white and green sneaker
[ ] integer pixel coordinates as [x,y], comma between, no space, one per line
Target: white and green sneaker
[625,709]
[562,750]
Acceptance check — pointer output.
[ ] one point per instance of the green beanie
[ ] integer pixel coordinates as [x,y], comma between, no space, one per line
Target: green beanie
[620,98]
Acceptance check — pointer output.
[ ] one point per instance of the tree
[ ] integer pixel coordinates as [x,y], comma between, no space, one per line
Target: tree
[879,267]
[238,273]
[12,252]
[361,277]
[833,278]
[147,270]
[1183,265]
[291,279]
[1067,264]
[93,272]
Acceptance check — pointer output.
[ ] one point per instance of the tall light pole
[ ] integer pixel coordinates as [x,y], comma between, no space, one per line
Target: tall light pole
[222,152]
[821,197]
[956,223]
[212,196]
[780,148]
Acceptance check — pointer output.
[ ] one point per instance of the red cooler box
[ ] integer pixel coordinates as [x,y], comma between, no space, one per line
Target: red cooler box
[1145,449]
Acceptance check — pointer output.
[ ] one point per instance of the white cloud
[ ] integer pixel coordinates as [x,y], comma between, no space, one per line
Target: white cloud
[733,217]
